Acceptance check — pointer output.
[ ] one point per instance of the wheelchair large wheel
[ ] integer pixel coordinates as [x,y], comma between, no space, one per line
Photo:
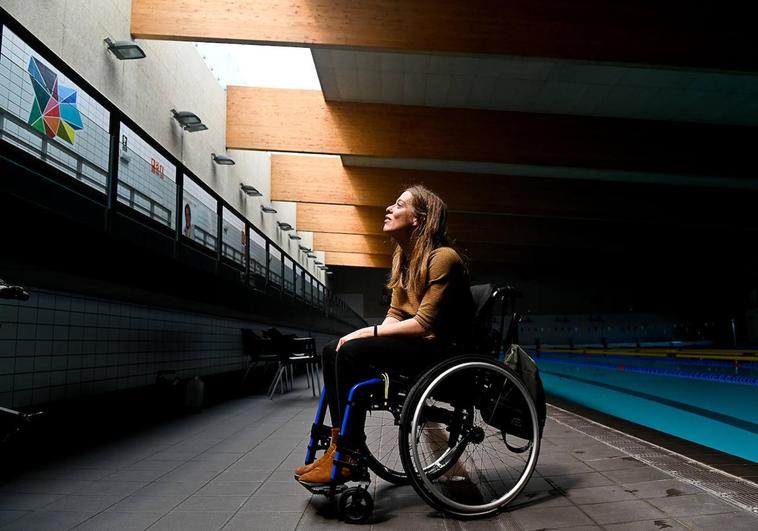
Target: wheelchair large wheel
[381,449]
[469,436]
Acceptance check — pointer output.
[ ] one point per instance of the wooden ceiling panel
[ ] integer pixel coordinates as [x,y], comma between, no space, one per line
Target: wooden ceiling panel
[301,121]
[510,230]
[326,180]
[357,259]
[676,32]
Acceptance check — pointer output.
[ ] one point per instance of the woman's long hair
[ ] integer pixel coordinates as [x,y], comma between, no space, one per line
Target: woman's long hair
[410,272]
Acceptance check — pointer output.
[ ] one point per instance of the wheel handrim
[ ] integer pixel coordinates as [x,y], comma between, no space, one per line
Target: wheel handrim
[527,465]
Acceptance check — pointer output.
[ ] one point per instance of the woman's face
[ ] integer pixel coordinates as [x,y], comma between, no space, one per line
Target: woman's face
[400,219]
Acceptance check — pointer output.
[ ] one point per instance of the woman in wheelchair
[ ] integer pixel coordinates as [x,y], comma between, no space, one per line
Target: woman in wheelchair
[429,316]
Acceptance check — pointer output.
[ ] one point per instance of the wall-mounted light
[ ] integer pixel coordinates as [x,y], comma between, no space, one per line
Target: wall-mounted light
[311,255]
[222,160]
[189,121]
[318,263]
[284,226]
[250,190]
[125,50]
[294,237]
[268,209]
[304,248]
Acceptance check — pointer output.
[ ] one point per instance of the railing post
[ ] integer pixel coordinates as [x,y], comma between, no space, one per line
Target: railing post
[111,183]
[247,254]
[219,232]
[268,262]
[179,212]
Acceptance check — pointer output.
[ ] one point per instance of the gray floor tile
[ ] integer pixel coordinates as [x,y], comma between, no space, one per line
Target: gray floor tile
[607,493]
[615,463]
[93,504]
[562,468]
[661,488]
[292,503]
[113,520]
[274,488]
[44,520]
[635,475]
[9,516]
[211,503]
[176,521]
[258,521]
[622,511]
[667,524]
[168,488]
[591,479]
[140,503]
[111,488]
[230,488]
[26,502]
[134,475]
[53,486]
[692,504]
[532,518]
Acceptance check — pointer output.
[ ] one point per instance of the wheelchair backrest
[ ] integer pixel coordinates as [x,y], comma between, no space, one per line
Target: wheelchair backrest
[482,339]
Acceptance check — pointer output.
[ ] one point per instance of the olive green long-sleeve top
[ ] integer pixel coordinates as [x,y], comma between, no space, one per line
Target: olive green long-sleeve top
[445,308]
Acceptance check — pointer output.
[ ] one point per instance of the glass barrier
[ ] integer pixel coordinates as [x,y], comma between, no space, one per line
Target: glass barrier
[199,218]
[47,115]
[257,255]
[233,237]
[289,275]
[275,266]
[146,179]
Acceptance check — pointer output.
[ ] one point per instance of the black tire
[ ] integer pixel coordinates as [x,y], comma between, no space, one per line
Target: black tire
[490,475]
[355,505]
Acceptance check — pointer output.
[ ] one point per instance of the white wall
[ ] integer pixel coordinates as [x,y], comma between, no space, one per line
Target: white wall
[172,76]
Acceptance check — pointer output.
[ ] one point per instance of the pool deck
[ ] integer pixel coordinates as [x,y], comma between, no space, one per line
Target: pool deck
[230,467]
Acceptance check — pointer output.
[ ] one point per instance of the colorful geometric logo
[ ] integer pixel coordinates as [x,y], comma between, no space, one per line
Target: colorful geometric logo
[54,111]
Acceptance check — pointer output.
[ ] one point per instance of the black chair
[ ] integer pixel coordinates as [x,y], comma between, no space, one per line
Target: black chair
[258,350]
[291,351]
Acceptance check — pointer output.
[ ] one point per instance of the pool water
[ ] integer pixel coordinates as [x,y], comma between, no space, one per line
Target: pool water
[712,403]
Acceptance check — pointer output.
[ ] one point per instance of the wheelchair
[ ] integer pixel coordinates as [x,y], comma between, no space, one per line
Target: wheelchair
[465,434]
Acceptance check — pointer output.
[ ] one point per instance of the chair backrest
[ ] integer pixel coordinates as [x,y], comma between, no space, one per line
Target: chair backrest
[254,345]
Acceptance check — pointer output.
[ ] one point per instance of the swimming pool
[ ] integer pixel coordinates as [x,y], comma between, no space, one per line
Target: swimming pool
[711,402]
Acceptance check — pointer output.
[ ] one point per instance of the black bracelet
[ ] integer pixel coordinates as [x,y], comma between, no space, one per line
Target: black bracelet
[376,330]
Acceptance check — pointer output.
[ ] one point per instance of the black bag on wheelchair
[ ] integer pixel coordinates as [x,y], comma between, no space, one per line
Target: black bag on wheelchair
[505,408]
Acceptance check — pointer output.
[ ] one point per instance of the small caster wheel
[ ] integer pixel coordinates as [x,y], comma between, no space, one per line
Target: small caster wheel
[355,505]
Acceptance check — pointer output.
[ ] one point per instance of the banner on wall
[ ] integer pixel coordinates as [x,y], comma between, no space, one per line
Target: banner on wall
[54,111]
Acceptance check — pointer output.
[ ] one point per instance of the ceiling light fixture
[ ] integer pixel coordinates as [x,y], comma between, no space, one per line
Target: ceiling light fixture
[295,237]
[222,160]
[284,226]
[268,209]
[124,50]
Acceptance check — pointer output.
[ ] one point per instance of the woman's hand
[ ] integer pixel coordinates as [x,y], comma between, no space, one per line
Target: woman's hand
[361,332]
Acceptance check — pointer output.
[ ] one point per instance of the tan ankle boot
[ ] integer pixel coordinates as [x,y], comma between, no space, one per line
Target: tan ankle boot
[328,455]
[322,472]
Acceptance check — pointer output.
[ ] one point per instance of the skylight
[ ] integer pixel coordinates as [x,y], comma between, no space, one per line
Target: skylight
[260,66]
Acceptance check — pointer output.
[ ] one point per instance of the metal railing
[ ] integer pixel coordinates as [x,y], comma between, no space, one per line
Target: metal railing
[114,189]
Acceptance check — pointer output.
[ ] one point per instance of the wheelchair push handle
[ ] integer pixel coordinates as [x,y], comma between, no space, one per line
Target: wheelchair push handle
[12,292]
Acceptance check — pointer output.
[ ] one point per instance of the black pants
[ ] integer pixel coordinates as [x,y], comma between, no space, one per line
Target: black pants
[362,359]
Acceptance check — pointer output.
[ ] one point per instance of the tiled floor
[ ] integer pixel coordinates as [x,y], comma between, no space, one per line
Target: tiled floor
[230,467]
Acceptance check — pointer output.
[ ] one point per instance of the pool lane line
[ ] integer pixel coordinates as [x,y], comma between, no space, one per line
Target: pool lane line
[559,355]
[674,373]
[738,491]
[736,422]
